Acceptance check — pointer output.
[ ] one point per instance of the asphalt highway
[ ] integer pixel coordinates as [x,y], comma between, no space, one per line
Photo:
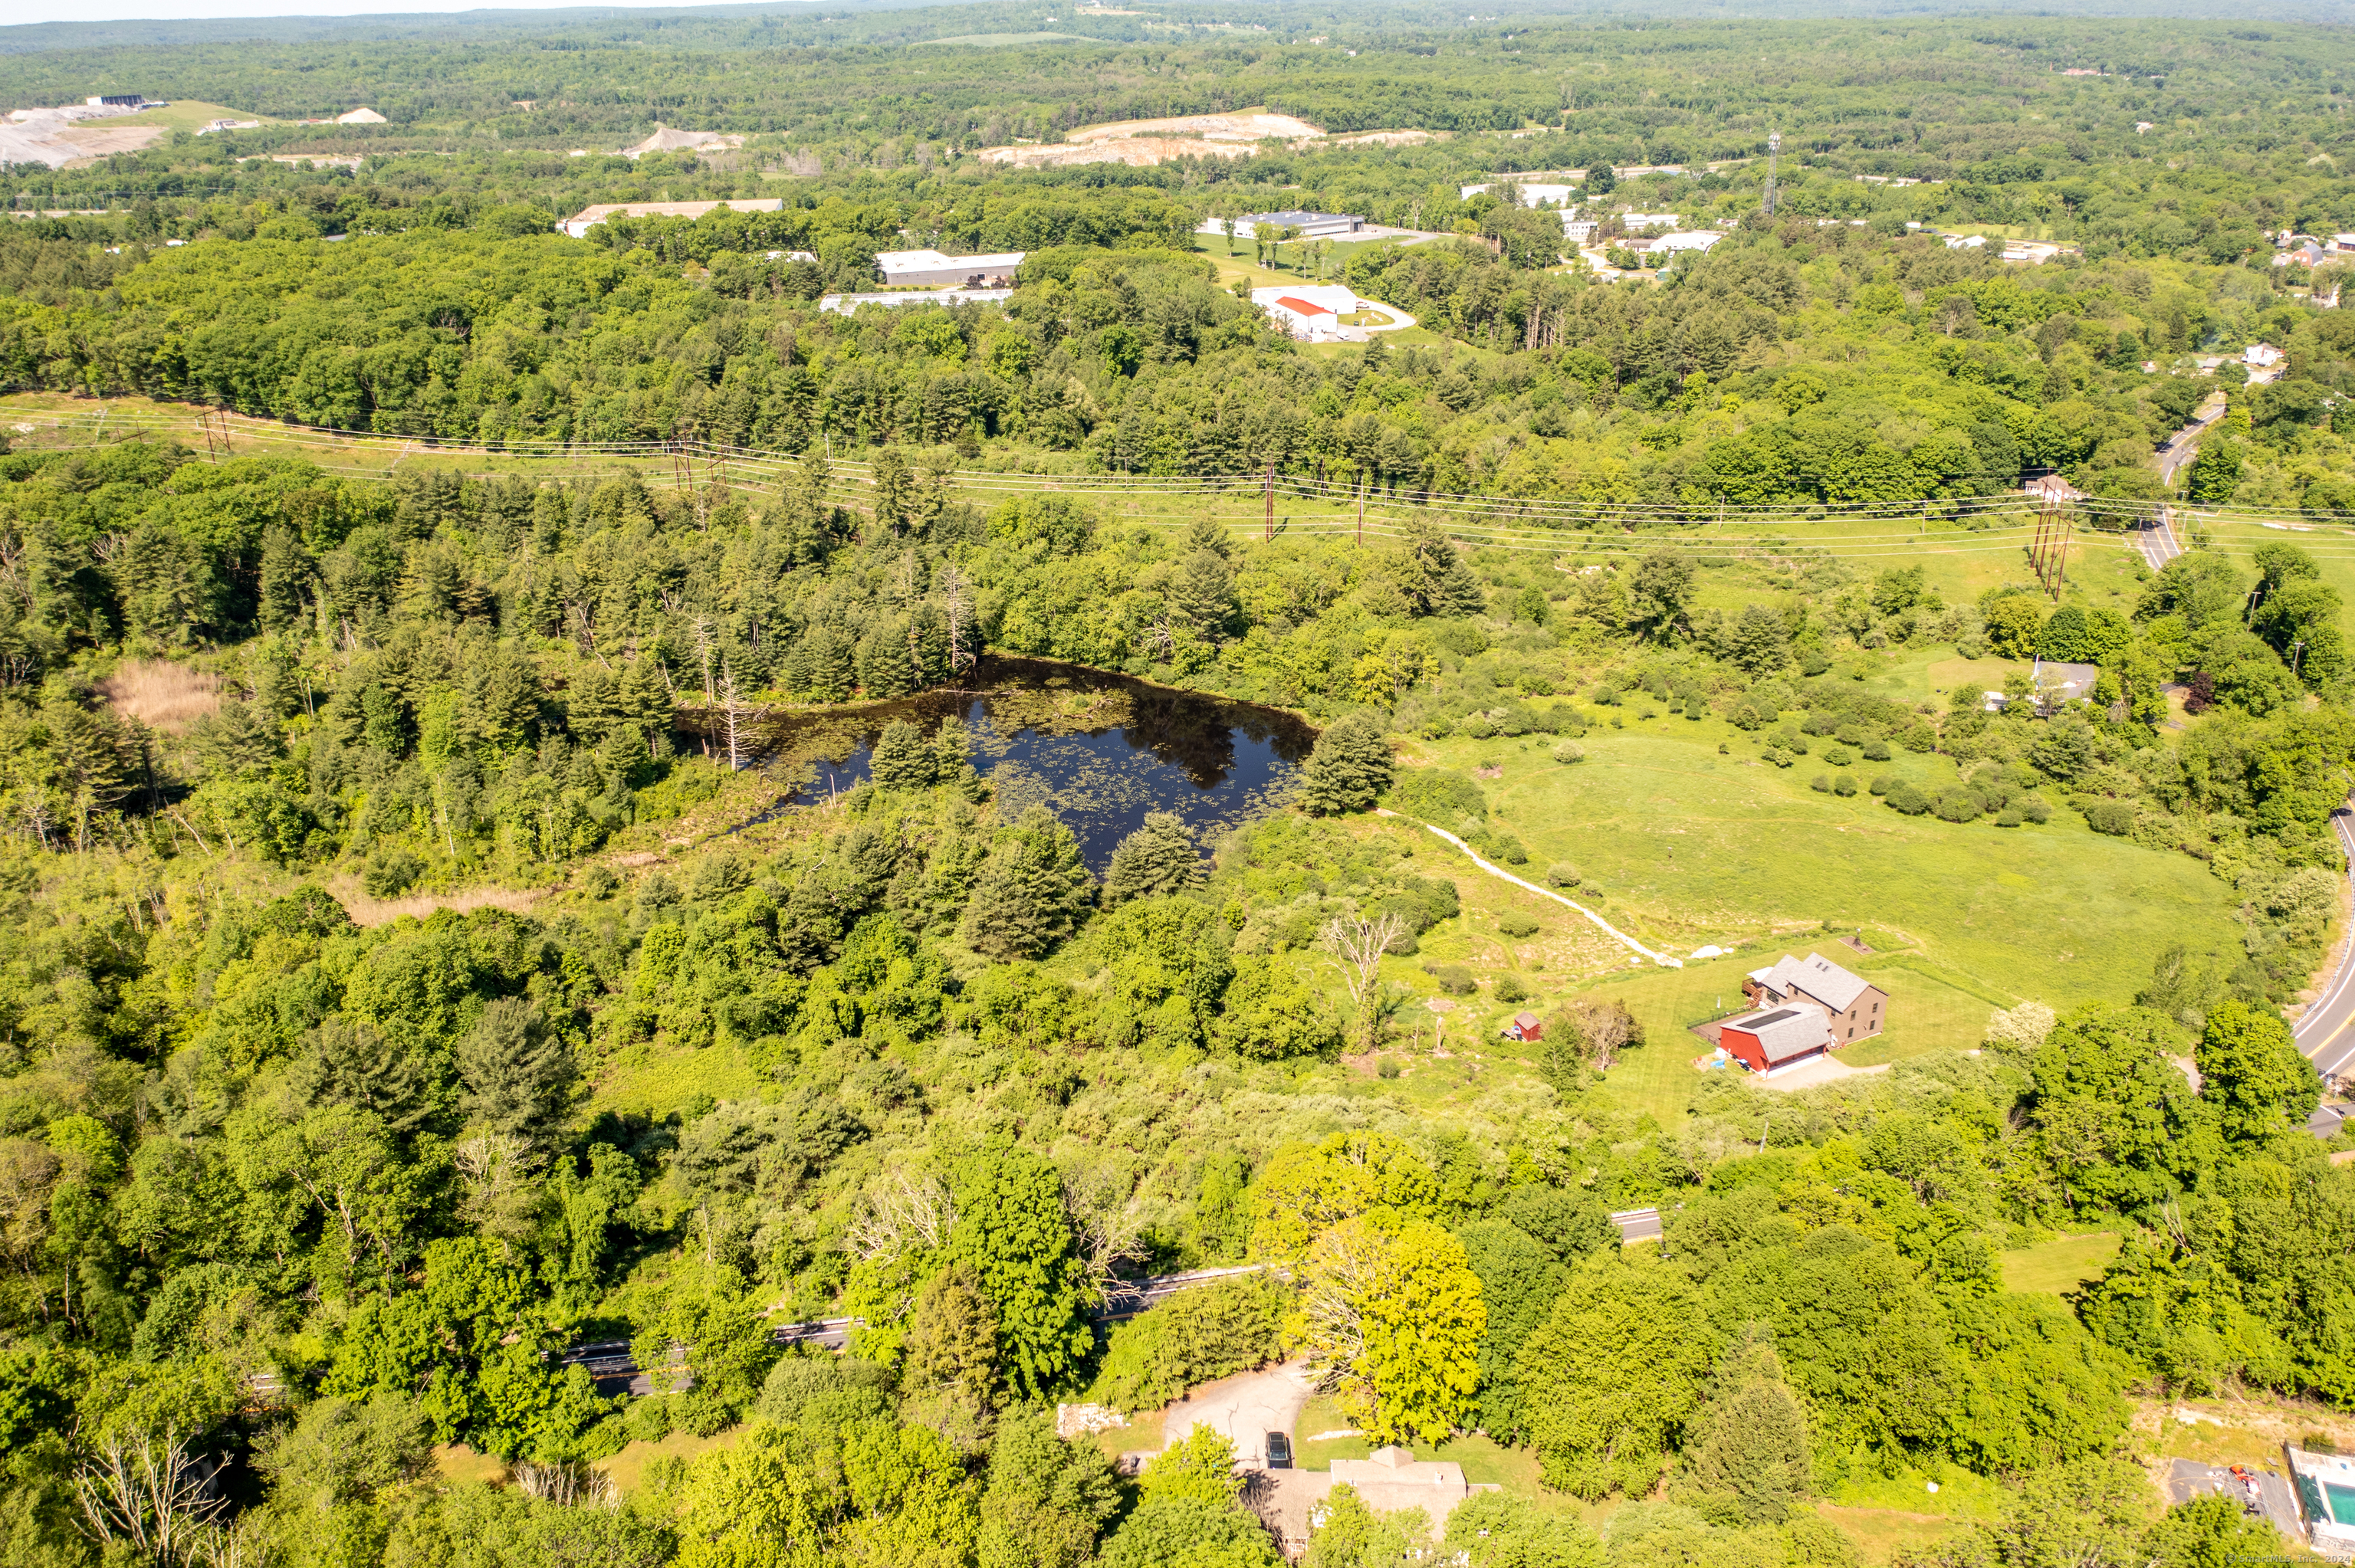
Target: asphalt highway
[2326,1031]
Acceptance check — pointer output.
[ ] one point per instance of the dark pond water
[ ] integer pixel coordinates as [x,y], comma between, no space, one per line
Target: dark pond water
[1098,750]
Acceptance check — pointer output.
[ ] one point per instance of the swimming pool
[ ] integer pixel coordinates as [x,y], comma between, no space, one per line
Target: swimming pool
[2341,1502]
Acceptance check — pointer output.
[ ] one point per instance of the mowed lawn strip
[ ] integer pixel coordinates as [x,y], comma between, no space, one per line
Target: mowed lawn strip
[2054,1267]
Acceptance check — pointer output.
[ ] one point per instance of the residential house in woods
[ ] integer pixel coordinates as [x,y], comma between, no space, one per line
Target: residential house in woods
[1854,1007]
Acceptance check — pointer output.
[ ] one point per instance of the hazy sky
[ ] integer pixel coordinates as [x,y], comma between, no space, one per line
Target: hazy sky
[23,11]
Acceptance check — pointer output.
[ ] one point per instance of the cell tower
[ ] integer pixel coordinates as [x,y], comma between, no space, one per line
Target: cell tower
[1773,146]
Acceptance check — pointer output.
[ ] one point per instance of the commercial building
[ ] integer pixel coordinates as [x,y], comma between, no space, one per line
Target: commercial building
[1669,247]
[1312,225]
[930,270]
[1312,312]
[1540,194]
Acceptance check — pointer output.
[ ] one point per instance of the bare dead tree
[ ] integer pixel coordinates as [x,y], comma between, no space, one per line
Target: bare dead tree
[240,1545]
[906,1210]
[955,593]
[567,1486]
[1103,1210]
[736,714]
[153,1496]
[1356,945]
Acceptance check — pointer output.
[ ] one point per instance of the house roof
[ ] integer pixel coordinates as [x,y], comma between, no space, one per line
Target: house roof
[1305,307]
[1817,976]
[1295,216]
[1526,1019]
[2052,487]
[1783,1032]
[2069,682]
[932,261]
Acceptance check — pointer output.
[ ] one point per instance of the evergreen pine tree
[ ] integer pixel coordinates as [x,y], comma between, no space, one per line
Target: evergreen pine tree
[901,759]
[951,1337]
[1156,860]
[1030,890]
[1207,534]
[1747,1460]
[518,1072]
[883,668]
[1348,766]
[1441,583]
[1203,596]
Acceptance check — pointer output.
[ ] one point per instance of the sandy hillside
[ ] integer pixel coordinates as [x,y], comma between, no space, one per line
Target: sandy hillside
[1143,142]
[98,140]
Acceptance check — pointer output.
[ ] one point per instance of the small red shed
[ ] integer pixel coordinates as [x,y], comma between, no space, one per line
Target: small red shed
[1525,1026]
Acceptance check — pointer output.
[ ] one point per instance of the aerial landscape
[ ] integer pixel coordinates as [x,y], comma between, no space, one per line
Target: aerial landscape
[1178,786]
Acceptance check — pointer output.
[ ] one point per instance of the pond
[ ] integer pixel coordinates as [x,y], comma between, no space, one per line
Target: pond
[1099,750]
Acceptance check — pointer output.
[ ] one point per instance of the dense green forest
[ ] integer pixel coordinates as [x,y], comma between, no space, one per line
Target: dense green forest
[400,987]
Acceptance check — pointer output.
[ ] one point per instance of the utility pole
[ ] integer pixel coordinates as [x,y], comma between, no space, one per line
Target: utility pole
[2061,556]
[1271,504]
[1361,511]
[1773,148]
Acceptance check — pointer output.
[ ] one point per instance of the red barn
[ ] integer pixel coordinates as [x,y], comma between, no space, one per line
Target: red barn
[1775,1042]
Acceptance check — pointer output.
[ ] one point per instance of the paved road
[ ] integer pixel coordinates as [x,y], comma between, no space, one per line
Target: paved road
[2185,443]
[2325,1030]
[2156,539]
[1244,1409]
[2188,1479]
[613,1369]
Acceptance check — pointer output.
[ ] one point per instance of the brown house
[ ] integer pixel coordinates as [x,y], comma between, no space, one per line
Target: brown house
[1856,1009]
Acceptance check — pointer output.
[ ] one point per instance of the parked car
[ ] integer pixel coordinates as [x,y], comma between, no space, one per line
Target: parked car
[1279,1451]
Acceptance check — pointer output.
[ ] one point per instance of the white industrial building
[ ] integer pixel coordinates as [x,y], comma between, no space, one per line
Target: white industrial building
[930,270]
[1667,245]
[1312,225]
[1313,312]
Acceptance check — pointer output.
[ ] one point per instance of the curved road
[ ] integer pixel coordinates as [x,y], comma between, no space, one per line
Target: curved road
[2325,1030]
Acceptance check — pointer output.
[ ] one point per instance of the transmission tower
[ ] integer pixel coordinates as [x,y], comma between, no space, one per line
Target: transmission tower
[1773,146]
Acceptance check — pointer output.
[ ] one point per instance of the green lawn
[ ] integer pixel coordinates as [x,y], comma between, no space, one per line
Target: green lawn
[628,1468]
[2325,544]
[2050,1268]
[1486,1461]
[1698,847]
[185,114]
[1684,847]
